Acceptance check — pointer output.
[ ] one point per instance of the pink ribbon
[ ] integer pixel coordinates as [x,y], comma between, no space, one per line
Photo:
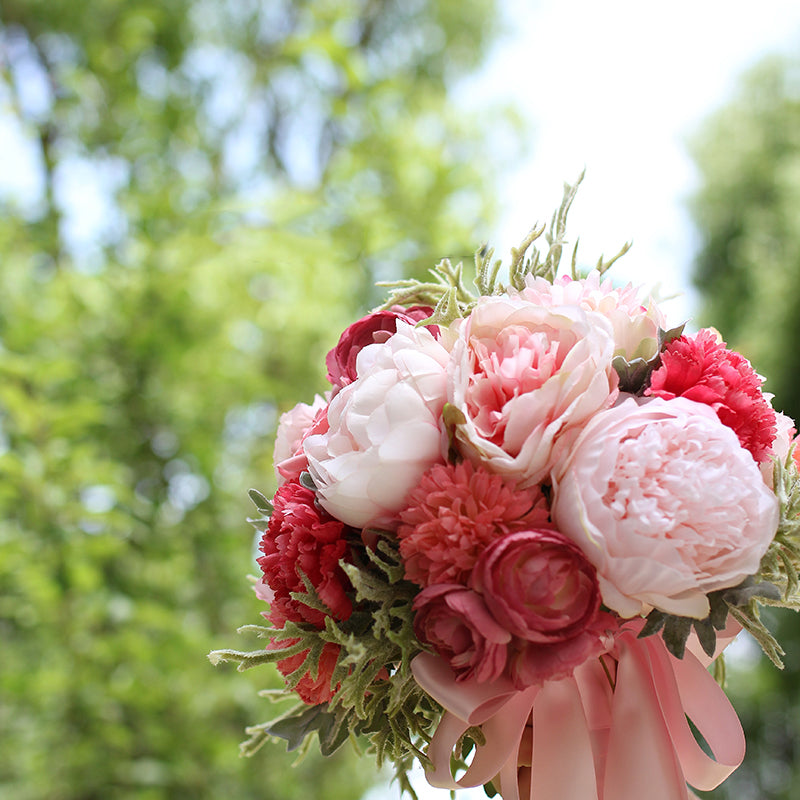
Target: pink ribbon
[579,738]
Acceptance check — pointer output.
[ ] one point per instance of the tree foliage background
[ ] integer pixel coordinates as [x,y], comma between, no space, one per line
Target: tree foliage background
[216,184]
[747,211]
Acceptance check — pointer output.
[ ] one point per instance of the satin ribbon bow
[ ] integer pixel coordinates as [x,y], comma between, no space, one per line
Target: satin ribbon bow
[579,738]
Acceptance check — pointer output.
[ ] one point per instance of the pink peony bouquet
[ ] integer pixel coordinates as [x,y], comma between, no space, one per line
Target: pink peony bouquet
[516,532]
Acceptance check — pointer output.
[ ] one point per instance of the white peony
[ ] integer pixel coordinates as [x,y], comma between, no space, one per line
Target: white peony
[383,430]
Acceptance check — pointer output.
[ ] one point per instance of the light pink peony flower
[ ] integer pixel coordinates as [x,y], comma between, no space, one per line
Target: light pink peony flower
[523,376]
[538,585]
[383,430]
[293,427]
[665,503]
[454,621]
[635,324]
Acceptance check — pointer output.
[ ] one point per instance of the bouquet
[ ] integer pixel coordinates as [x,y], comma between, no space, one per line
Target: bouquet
[516,532]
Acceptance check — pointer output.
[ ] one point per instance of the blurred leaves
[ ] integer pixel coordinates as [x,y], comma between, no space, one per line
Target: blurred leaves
[747,211]
[215,187]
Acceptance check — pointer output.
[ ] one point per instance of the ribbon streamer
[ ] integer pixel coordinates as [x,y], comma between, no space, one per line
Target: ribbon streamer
[579,738]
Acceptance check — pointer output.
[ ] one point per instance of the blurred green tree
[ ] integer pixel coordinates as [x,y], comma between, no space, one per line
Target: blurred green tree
[747,211]
[212,188]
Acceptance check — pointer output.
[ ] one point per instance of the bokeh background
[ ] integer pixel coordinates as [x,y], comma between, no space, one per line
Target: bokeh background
[197,196]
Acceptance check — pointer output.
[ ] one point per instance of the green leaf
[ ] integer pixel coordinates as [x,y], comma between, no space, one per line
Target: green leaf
[261,502]
[294,729]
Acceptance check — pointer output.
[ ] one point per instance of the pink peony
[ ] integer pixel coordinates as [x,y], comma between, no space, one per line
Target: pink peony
[374,328]
[538,585]
[454,513]
[293,427]
[311,690]
[455,622]
[635,325]
[302,539]
[666,505]
[702,369]
[383,430]
[523,376]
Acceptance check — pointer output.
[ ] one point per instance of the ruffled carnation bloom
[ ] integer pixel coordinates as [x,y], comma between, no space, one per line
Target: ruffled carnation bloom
[383,430]
[665,503]
[701,368]
[374,328]
[293,427]
[538,585]
[454,513]
[454,621]
[635,324]
[303,539]
[523,376]
[312,691]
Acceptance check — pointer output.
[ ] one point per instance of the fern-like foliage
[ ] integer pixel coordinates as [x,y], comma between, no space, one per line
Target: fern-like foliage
[376,698]
[447,294]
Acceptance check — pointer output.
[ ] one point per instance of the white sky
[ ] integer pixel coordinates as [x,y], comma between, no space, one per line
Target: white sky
[618,86]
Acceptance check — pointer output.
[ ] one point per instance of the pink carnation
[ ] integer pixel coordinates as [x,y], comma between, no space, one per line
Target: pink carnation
[374,328]
[303,539]
[311,690]
[702,369]
[454,513]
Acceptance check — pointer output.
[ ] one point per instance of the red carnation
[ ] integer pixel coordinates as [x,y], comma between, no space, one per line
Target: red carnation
[702,369]
[455,513]
[303,539]
[375,327]
[313,691]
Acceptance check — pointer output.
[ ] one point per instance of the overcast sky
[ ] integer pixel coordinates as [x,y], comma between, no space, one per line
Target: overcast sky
[618,87]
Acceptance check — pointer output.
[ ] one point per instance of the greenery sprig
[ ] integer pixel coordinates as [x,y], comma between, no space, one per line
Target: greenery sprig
[376,698]
[451,299]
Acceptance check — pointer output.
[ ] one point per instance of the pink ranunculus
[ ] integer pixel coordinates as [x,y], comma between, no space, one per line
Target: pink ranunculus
[538,585]
[455,622]
[665,503]
[701,368]
[533,663]
[454,513]
[383,430]
[293,427]
[374,328]
[635,323]
[303,540]
[526,378]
